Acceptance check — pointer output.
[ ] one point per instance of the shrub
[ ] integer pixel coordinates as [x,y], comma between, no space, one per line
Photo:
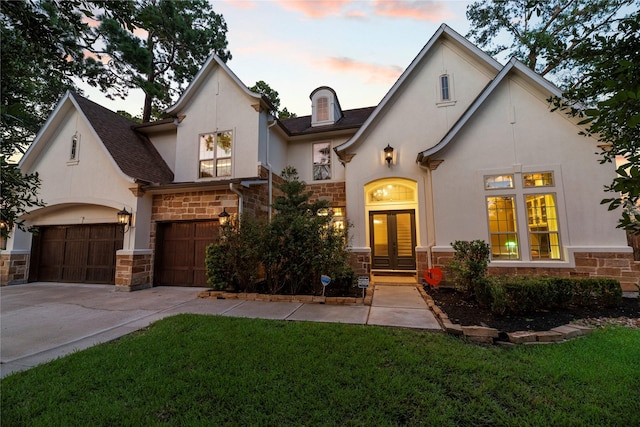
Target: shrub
[295,249]
[234,261]
[469,267]
[528,294]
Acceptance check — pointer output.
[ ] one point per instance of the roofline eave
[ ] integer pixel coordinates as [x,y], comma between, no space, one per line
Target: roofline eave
[443,29]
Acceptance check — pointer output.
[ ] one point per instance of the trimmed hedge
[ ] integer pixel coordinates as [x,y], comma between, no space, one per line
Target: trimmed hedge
[518,294]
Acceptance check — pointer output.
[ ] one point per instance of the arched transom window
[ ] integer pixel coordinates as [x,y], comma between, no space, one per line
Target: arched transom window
[391,192]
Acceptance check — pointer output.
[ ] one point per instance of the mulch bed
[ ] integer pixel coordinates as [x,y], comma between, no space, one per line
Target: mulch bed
[469,313]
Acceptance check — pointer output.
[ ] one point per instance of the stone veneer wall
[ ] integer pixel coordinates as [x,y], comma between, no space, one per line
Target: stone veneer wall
[614,265]
[133,272]
[334,192]
[14,269]
[361,263]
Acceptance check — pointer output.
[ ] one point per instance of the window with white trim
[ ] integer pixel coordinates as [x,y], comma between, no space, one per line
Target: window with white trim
[503,197]
[74,150]
[322,112]
[321,161]
[215,154]
[444,88]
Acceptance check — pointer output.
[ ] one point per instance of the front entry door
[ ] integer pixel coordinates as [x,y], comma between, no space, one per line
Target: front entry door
[393,240]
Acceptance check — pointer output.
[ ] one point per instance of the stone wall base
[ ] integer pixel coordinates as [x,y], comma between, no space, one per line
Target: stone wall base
[361,263]
[14,269]
[133,272]
[614,265]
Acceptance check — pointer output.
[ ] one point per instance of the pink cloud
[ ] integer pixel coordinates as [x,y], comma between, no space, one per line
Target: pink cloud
[373,73]
[243,4]
[315,8]
[416,9]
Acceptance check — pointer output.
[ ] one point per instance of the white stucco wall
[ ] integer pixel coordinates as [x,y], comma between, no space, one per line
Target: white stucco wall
[89,191]
[413,121]
[166,143]
[515,131]
[300,156]
[218,105]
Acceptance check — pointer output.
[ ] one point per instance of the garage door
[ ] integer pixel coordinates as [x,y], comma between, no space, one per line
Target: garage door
[75,253]
[180,252]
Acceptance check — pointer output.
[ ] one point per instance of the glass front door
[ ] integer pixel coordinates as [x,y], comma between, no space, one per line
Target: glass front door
[393,240]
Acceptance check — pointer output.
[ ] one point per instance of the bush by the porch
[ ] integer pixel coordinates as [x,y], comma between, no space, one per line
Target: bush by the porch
[294,250]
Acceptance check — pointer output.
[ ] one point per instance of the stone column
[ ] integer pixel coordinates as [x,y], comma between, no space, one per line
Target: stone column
[134,270]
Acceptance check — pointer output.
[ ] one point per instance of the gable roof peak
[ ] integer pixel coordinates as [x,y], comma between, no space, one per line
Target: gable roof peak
[443,31]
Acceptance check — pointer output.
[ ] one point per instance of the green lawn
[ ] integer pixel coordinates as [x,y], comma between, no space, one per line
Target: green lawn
[204,370]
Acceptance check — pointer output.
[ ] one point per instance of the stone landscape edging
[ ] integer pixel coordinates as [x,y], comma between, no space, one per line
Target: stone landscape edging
[305,299]
[485,335]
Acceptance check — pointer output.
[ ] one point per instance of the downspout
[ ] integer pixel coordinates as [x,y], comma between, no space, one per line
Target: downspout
[428,170]
[270,184]
[233,188]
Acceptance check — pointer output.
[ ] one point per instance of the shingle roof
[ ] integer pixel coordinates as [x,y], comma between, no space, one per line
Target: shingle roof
[352,119]
[134,154]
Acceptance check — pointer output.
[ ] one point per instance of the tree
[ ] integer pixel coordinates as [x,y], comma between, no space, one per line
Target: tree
[301,243]
[42,49]
[544,35]
[178,36]
[610,90]
[263,88]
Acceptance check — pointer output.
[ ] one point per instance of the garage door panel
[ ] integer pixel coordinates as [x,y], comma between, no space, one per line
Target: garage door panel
[181,249]
[76,253]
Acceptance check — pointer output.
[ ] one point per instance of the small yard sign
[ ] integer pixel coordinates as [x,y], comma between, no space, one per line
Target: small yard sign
[325,280]
[363,282]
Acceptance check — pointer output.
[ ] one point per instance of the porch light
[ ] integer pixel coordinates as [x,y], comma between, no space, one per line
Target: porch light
[124,219]
[223,217]
[388,154]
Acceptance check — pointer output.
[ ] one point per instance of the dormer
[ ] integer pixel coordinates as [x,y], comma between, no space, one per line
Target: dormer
[325,108]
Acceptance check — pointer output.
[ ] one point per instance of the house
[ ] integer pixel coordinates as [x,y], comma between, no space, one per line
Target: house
[460,148]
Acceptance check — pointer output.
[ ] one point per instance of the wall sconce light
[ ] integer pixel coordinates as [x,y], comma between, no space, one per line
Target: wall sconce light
[388,154]
[3,238]
[124,219]
[223,217]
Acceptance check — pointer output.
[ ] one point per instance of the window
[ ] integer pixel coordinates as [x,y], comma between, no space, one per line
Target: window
[539,211]
[321,161]
[391,193]
[544,179]
[493,182]
[74,149]
[502,227]
[337,216]
[215,154]
[544,240]
[322,113]
[444,88]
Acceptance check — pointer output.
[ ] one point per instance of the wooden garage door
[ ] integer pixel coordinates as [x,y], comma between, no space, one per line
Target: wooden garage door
[76,253]
[180,252]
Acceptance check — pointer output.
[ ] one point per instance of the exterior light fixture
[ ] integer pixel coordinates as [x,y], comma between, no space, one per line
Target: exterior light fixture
[124,219]
[223,217]
[3,238]
[388,154]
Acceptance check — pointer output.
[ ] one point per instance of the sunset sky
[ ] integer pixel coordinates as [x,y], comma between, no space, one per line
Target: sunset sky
[358,48]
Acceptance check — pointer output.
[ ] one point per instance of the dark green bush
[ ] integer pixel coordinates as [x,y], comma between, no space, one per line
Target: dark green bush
[520,294]
[295,249]
[234,261]
[469,268]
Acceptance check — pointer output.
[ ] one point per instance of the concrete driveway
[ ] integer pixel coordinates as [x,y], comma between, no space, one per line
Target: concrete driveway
[43,321]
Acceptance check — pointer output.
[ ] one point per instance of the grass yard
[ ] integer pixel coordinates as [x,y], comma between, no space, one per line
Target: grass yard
[204,370]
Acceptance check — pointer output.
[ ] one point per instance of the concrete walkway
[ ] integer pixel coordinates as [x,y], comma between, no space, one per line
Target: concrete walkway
[43,321]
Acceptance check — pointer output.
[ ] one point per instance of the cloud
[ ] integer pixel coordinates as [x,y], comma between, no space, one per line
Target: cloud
[315,8]
[373,73]
[243,4]
[434,11]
